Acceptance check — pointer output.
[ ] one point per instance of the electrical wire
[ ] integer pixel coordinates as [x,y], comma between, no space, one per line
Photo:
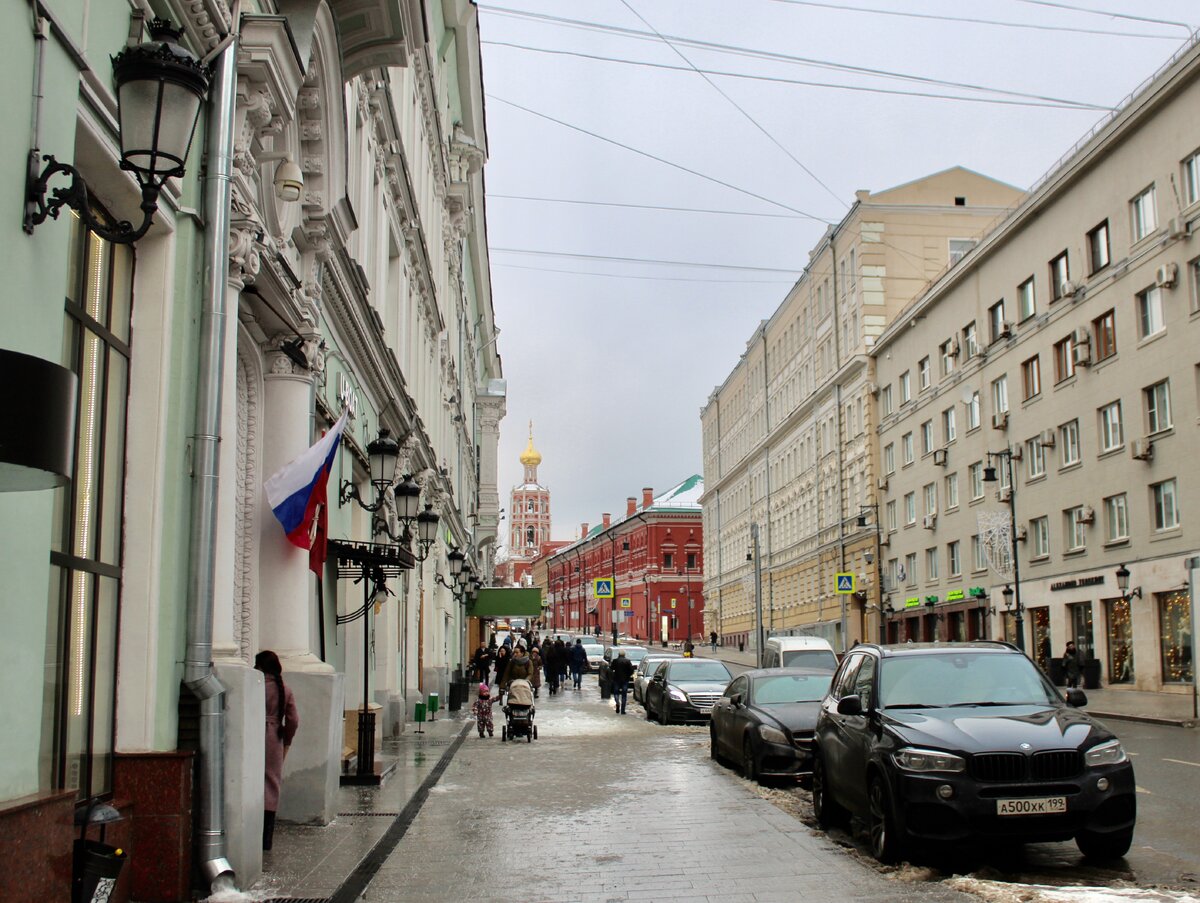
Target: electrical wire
[767,55]
[737,106]
[1107,13]
[864,89]
[649,260]
[706,281]
[526,197]
[658,159]
[973,21]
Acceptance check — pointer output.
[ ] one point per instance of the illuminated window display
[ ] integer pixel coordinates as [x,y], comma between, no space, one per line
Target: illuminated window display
[1174,619]
[1120,641]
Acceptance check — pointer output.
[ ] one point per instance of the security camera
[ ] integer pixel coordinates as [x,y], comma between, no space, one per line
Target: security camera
[289,180]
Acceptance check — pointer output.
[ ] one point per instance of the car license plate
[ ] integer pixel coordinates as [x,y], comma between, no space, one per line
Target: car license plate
[1049,805]
[704,709]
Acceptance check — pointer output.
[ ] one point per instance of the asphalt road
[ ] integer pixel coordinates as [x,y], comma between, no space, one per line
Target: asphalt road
[1166,844]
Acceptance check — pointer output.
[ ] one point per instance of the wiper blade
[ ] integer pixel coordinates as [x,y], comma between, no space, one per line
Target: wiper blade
[911,705]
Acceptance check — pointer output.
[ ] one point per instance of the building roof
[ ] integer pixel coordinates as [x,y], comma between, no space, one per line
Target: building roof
[684,496]
[531,457]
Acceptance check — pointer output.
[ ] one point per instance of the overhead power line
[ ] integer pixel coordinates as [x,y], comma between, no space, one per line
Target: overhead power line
[707,280]
[970,20]
[770,55]
[649,260]
[1107,13]
[526,197]
[662,160]
[737,106]
[1065,105]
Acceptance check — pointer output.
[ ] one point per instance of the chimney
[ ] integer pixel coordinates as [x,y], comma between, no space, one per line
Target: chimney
[583,528]
[647,498]
[630,506]
[607,518]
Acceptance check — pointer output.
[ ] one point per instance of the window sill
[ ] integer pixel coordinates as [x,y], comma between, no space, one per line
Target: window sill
[1074,465]
[1164,535]
[1075,553]
[1117,543]
[976,501]
[1103,362]
[1026,402]
[1161,434]
[1066,381]
[1151,339]
[1111,452]
[1033,481]
[1040,559]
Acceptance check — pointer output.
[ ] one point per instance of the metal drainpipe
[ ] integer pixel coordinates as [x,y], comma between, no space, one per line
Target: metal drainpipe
[198,667]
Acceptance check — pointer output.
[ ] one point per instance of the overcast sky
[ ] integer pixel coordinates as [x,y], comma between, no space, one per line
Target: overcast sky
[612,359]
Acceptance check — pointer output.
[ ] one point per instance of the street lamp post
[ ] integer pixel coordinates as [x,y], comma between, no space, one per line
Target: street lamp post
[989,476]
[755,556]
[878,556]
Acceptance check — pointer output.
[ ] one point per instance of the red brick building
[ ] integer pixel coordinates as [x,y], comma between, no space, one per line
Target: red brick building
[654,556]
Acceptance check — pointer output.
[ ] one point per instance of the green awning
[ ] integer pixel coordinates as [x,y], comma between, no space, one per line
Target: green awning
[506,602]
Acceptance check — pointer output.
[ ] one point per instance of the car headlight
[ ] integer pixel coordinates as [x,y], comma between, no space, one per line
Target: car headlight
[677,694]
[928,760]
[772,734]
[1110,753]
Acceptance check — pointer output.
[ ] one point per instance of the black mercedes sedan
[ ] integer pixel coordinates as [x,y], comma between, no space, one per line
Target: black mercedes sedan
[765,721]
[935,743]
[685,689]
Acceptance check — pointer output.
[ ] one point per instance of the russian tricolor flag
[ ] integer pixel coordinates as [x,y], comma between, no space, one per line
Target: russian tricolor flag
[297,494]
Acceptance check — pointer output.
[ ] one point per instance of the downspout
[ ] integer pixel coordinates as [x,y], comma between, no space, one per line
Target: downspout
[838,440]
[198,673]
[767,481]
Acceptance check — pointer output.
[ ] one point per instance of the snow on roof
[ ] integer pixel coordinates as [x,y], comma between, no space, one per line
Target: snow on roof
[683,496]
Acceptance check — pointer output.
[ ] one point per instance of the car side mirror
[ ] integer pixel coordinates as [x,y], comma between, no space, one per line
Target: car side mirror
[1076,698]
[850,705]
[736,700]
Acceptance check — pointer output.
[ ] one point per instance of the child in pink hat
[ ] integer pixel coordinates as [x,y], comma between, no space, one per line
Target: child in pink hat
[482,710]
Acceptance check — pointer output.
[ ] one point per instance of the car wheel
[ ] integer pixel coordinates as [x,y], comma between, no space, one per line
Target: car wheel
[827,812]
[1104,846]
[882,831]
[749,766]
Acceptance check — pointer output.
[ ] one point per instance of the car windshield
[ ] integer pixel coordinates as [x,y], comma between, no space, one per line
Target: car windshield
[647,665]
[634,654]
[788,688]
[962,679]
[590,641]
[810,658]
[696,670]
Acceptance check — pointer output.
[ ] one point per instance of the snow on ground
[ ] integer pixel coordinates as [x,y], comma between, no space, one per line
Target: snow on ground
[1000,892]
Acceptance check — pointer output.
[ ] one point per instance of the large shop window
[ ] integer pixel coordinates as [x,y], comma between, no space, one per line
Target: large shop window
[1120,641]
[1079,617]
[1174,619]
[85,557]
[1039,619]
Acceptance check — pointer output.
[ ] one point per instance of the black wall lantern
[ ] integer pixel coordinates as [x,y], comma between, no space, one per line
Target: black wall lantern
[161,87]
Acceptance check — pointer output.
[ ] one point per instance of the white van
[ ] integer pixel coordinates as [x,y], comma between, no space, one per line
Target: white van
[799,652]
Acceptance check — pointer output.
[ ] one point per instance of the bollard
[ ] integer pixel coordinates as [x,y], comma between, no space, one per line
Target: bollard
[433,706]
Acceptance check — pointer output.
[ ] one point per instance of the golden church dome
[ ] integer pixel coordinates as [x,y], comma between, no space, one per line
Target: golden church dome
[531,457]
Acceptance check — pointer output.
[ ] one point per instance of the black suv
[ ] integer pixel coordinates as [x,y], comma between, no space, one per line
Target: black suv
[963,741]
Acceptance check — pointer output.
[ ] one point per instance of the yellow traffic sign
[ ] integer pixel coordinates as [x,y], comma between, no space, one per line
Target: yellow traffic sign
[845,583]
[602,587]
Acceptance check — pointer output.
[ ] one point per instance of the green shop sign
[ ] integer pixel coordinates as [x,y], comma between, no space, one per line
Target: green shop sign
[955,595]
[912,602]
[977,592]
[931,600]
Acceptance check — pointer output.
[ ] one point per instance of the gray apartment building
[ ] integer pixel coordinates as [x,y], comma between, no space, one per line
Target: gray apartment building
[1064,349]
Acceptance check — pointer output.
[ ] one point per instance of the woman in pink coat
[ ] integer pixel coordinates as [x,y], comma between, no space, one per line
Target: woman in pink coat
[282,722]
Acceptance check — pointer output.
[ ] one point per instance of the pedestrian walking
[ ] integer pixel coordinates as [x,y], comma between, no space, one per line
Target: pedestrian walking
[519,668]
[503,657]
[535,674]
[482,660]
[621,673]
[562,657]
[1072,664]
[689,648]
[481,708]
[579,664]
[282,723]
[550,666]
[712,639]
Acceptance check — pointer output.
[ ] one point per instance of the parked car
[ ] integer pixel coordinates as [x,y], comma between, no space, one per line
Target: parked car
[765,721]
[645,670]
[685,689]
[634,653]
[963,742]
[799,652]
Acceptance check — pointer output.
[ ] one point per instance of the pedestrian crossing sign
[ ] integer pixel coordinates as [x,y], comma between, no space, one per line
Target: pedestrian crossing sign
[627,603]
[845,584]
[602,588]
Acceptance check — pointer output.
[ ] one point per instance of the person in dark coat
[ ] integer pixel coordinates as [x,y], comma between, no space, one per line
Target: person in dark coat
[519,667]
[620,674]
[503,657]
[282,723]
[550,664]
[535,664]
[482,660]
[1072,664]
[579,664]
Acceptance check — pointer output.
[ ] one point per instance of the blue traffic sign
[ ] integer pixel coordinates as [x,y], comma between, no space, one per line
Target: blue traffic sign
[845,583]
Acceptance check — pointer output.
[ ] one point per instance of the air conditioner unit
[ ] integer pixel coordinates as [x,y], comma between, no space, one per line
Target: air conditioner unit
[1081,336]
[1142,449]
[1022,533]
[939,457]
[1047,439]
[1081,355]
[873,388]
[1068,289]
[1004,494]
[1087,514]
[1177,228]
[1166,275]
[952,346]
[882,483]
[1006,330]
[929,521]
[1016,452]
[1000,420]
[885,539]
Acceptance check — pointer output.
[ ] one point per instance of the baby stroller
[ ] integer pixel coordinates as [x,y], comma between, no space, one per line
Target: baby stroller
[518,712]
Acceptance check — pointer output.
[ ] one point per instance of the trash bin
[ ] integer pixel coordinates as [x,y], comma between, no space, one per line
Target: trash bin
[433,706]
[1058,674]
[419,712]
[97,867]
[1091,674]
